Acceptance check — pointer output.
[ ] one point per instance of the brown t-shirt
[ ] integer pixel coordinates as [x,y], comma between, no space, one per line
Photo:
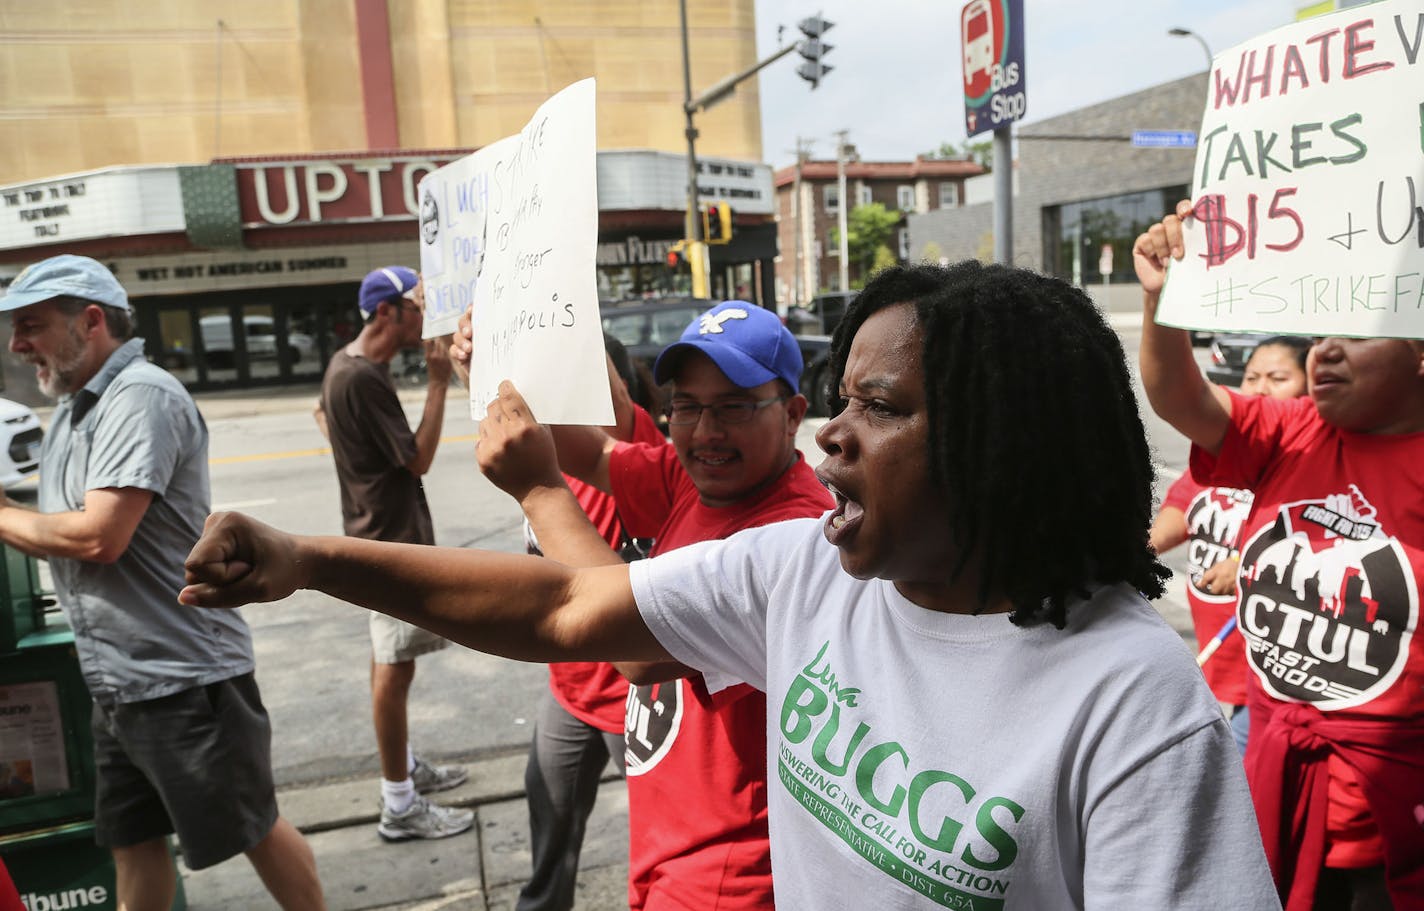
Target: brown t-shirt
[371,442]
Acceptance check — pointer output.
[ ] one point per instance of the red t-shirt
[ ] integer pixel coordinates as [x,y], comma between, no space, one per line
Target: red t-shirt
[697,763]
[593,691]
[1332,562]
[1214,518]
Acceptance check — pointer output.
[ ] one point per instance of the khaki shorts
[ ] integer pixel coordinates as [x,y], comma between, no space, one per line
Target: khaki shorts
[396,642]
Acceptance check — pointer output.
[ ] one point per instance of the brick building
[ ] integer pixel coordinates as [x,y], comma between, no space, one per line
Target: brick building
[921,185]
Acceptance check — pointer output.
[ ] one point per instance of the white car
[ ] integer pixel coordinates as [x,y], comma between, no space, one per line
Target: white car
[20,438]
[261,340]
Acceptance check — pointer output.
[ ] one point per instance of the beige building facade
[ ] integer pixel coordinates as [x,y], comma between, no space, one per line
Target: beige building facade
[88,84]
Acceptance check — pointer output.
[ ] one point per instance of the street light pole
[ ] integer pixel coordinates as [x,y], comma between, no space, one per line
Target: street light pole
[1180,32]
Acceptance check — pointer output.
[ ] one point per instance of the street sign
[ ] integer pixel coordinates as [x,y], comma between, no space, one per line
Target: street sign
[1164,139]
[991,36]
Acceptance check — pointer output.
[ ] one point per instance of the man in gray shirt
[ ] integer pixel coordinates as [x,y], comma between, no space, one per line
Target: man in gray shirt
[181,739]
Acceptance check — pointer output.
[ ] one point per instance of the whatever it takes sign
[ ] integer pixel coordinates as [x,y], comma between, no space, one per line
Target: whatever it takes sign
[1308,194]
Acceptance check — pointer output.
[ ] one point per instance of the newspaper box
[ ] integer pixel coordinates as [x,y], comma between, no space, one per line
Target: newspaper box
[46,754]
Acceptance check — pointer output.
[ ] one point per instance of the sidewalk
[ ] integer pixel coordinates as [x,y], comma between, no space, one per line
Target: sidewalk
[480,870]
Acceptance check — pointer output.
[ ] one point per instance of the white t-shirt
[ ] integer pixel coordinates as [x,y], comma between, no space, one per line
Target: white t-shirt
[923,760]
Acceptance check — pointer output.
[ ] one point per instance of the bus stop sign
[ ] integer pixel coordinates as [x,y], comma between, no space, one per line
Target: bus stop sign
[991,33]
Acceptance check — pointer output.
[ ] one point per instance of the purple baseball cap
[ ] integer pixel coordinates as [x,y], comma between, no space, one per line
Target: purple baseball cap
[388,283]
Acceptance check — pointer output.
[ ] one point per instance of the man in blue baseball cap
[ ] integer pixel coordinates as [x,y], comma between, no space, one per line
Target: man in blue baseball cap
[733,464]
[379,463]
[181,739]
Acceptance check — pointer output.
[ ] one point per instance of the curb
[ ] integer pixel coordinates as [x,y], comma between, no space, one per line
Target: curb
[354,802]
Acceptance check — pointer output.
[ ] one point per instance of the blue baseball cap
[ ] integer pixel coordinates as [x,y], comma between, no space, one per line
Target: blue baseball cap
[747,343]
[386,284]
[65,275]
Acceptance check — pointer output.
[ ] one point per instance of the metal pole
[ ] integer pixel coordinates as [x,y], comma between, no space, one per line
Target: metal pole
[844,204]
[797,298]
[1003,195]
[1188,33]
[692,225]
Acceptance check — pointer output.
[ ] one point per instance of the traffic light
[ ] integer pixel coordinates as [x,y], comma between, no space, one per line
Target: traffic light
[717,223]
[813,49]
[677,255]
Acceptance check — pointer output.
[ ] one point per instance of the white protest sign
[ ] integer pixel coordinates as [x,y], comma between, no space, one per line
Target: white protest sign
[1309,182]
[512,230]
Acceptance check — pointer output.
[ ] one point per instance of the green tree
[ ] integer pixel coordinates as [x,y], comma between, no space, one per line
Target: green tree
[884,259]
[981,153]
[868,228]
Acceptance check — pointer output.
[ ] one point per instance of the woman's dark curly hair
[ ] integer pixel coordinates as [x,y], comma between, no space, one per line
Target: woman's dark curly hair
[1035,438]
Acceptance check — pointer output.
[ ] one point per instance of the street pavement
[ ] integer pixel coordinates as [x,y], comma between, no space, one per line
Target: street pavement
[327,780]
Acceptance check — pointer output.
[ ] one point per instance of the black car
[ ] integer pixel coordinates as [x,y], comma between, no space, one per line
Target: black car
[1229,354]
[821,314]
[646,327]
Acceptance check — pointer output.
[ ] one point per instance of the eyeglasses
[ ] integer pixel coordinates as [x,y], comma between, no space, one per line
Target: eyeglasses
[685,414]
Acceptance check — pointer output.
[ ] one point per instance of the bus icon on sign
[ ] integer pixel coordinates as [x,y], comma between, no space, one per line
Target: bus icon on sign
[978,28]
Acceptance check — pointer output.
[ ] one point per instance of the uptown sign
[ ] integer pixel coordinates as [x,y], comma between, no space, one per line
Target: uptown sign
[331,191]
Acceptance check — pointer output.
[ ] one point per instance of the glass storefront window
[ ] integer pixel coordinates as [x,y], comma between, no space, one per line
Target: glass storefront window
[616,283]
[217,351]
[1076,234]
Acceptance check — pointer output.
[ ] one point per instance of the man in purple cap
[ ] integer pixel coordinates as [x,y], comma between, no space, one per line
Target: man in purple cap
[733,464]
[379,463]
[182,743]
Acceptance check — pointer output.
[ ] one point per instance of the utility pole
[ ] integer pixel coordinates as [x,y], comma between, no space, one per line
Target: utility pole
[698,256]
[803,149]
[692,225]
[841,208]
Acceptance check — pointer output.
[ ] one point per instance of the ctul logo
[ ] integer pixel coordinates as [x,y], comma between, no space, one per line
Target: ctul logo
[1328,603]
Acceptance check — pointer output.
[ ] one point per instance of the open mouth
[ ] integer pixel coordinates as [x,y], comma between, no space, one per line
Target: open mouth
[845,519]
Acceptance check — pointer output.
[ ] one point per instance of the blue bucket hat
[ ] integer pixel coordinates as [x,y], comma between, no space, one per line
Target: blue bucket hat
[65,275]
[747,343]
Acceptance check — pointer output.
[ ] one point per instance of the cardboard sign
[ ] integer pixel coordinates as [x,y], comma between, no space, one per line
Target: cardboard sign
[1309,183]
[512,232]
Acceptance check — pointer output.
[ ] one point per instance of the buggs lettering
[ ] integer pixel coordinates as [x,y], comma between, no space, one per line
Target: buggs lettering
[811,711]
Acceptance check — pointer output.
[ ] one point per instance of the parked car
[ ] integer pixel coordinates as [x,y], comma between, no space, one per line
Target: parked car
[821,314]
[646,327]
[20,436]
[1229,354]
[261,340]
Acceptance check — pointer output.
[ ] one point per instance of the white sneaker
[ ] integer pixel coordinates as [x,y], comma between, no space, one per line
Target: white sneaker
[429,778]
[423,819]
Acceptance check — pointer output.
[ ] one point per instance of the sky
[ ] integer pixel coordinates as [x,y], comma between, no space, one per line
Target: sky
[896,80]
